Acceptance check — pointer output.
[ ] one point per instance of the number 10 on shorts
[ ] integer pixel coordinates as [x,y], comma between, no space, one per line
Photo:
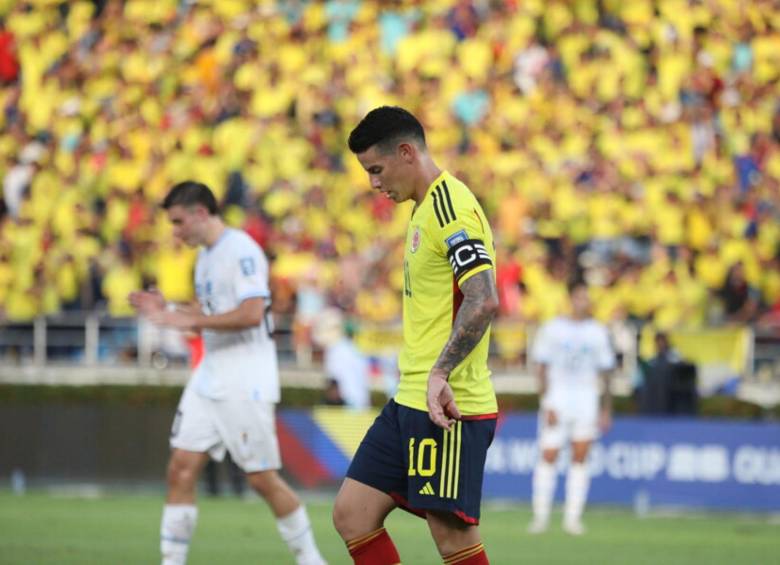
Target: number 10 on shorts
[426,458]
[423,458]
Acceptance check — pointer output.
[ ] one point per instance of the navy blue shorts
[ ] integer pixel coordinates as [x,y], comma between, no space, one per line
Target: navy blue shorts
[422,466]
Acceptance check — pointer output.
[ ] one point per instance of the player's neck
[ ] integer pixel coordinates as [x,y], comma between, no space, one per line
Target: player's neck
[214,231]
[429,172]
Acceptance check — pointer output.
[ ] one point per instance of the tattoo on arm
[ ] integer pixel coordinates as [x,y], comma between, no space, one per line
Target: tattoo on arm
[480,302]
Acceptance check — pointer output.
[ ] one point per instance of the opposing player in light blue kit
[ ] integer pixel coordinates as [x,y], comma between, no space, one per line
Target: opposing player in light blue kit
[571,353]
[230,400]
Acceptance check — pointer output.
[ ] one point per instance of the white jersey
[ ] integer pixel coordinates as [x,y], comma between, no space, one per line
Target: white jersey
[349,367]
[235,269]
[574,352]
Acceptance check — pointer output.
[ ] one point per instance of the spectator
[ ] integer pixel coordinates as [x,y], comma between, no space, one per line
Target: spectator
[740,299]
[669,384]
[600,132]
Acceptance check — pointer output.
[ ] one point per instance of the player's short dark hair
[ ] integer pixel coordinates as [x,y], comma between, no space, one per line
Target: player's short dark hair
[190,193]
[385,126]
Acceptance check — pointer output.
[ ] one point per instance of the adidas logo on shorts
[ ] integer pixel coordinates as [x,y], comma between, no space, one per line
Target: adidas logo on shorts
[427,489]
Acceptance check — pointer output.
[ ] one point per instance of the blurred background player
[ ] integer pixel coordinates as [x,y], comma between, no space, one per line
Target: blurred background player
[426,450]
[571,352]
[346,368]
[229,403]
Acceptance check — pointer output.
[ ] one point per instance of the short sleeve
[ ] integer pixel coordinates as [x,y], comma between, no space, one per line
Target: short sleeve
[460,234]
[606,355]
[251,273]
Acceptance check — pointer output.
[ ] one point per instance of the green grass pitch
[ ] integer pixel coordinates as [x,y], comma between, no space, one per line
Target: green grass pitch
[42,529]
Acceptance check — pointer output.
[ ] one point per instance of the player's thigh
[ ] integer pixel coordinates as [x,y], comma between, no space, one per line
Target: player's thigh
[445,468]
[379,460]
[248,430]
[551,438]
[584,429]
[360,509]
[450,533]
[194,425]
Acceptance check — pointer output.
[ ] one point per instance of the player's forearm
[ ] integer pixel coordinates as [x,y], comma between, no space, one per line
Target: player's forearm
[479,306]
[541,379]
[239,319]
[606,393]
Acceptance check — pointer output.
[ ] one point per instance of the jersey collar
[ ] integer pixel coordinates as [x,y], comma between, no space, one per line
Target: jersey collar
[220,239]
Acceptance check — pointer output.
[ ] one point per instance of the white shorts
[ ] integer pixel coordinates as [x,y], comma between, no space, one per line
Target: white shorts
[238,424]
[580,424]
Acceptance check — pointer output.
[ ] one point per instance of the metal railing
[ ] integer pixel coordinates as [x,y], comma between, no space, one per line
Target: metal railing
[80,347]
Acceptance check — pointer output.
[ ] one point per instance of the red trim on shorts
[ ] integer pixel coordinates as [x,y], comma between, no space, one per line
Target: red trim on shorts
[492,416]
[467,519]
[403,504]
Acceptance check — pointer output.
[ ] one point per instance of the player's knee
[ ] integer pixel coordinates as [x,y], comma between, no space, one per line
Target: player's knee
[181,475]
[550,455]
[579,458]
[265,483]
[342,517]
[579,452]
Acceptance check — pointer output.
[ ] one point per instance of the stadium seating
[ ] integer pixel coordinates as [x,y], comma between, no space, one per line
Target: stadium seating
[636,144]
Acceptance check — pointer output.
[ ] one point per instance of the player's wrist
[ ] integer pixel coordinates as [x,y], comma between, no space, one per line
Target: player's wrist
[197,321]
[439,373]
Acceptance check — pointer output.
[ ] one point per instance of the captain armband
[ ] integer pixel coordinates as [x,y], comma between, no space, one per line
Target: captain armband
[467,255]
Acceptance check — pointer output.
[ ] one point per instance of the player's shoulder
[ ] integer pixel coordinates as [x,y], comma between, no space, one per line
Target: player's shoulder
[596,324]
[238,241]
[546,329]
[456,189]
[556,323]
[453,206]
[595,327]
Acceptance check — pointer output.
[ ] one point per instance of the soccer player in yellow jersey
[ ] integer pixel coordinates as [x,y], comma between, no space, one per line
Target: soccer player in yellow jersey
[426,451]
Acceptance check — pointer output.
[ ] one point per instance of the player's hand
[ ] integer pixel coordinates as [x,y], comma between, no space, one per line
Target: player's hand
[551,417]
[442,409]
[147,302]
[605,420]
[184,321]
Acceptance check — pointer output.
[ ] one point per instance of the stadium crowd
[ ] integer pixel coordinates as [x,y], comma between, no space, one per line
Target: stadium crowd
[636,144]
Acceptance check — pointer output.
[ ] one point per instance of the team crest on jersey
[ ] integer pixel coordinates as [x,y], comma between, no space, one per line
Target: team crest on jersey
[416,239]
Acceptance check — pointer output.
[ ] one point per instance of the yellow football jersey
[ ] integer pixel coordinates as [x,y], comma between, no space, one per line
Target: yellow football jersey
[447,242]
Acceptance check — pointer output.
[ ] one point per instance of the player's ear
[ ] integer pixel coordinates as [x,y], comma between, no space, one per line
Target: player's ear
[202,212]
[407,151]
